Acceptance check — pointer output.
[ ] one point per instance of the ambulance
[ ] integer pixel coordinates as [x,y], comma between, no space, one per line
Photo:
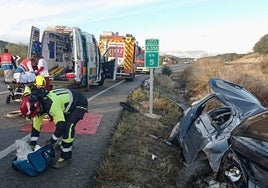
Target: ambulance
[73,55]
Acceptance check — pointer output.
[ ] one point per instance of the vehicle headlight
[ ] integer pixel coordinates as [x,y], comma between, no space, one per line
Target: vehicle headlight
[234,174]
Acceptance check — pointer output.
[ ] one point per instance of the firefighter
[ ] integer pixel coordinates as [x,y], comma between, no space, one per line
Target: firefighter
[38,87]
[7,64]
[40,82]
[65,108]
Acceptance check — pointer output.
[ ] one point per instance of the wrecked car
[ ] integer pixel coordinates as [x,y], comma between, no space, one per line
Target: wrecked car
[206,125]
[245,163]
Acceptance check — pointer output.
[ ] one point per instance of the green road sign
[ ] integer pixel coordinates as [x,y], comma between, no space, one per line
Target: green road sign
[151,53]
[152,42]
[151,59]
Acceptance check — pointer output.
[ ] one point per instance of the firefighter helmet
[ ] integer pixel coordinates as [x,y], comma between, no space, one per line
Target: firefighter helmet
[40,81]
[28,107]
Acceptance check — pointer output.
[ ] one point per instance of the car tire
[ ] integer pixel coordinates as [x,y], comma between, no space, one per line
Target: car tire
[101,82]
[8,99]
[192,175]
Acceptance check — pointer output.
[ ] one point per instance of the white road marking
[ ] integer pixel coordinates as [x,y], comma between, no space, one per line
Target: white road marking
[91,98]
[3,92]
[12,147]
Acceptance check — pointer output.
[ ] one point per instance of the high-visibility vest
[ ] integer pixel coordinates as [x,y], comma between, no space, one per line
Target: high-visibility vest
[6,61]
[24,65]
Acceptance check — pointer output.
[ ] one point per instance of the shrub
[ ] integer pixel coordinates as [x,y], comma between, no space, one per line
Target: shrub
[264,65]
[261,46]
[166,70]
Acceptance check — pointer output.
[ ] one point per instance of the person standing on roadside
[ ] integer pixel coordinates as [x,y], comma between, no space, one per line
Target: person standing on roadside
[42,69]
[7,64]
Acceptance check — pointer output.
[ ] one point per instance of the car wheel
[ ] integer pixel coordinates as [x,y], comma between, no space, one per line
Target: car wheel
[8,99]
[101,82]
[197,174]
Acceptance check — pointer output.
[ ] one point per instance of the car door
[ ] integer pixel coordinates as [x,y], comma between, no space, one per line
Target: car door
[35,44]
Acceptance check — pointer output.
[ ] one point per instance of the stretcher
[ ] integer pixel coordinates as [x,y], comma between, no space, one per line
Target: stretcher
[17,85]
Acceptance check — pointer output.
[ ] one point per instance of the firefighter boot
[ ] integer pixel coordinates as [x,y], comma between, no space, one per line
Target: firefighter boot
[61,163]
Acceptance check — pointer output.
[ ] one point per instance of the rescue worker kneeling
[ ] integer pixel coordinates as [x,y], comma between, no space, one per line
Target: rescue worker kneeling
[65,107]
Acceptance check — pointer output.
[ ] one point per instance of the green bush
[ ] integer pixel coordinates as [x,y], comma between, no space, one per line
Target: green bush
[261,46]
[166,70]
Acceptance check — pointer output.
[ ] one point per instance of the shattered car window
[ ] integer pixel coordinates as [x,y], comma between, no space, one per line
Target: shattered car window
[212,104]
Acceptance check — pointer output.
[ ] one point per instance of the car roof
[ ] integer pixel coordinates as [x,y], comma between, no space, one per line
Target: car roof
[237,96]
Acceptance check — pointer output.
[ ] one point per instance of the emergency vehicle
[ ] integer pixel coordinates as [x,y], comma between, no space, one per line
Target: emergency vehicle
[140,62]
[72,55]
[120,54]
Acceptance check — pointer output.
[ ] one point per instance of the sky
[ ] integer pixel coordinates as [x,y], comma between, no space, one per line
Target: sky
[213,26]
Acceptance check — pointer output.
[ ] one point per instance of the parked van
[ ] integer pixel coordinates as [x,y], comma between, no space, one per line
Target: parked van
[73,56]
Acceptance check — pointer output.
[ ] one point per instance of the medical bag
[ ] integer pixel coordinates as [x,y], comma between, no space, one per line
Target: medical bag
[36,162]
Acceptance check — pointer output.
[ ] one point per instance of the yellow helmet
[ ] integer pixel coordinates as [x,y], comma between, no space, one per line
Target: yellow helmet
[40,81]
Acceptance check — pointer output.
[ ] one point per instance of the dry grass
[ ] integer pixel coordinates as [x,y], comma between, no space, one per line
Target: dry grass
[129,161]
[249,73]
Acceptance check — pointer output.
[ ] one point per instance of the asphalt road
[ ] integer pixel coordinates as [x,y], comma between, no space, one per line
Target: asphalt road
[88,149]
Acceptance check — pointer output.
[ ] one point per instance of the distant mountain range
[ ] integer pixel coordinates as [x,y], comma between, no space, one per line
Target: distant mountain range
[187,54]
[176,53]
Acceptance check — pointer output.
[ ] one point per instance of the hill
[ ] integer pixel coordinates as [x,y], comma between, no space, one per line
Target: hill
[14,49]
[187,54]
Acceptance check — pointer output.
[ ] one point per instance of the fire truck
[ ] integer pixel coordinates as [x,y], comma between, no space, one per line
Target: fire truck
[72,55]
[120,54]
[140,62]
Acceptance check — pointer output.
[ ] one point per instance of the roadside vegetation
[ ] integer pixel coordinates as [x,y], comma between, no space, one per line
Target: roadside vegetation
[250,71]
[138,155]
[14,49]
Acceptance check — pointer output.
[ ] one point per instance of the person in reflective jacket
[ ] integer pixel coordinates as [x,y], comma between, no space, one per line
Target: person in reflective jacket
[65,108]
[26,65]
[8,65]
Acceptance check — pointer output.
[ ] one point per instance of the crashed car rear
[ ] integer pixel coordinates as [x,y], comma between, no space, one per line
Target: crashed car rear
[245,163]
[203,132]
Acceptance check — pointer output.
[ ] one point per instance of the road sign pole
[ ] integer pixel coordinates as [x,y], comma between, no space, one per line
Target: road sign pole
[151,61]
[151,91]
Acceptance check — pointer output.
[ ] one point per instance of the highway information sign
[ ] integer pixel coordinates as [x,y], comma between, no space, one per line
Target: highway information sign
[151,53]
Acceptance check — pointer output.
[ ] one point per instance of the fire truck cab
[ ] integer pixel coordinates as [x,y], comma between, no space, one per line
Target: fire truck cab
[119,53]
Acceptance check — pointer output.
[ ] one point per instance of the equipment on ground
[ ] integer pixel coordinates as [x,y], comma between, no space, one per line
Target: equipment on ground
[37,162]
